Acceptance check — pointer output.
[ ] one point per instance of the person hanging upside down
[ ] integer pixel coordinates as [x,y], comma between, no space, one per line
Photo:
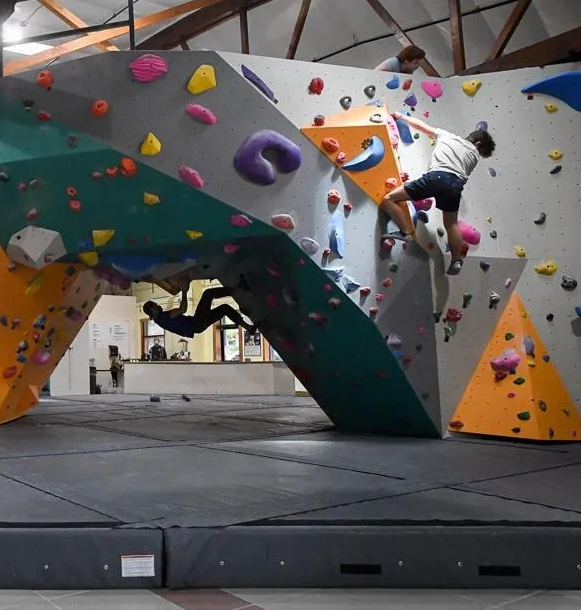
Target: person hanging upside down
[453,160]
[175,321]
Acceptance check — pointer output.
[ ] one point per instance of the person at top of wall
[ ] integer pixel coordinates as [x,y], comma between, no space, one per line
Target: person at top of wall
[453,160]
[407,61]
[175,321]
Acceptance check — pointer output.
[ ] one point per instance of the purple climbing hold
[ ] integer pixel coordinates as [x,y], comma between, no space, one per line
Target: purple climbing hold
[492,172]
[258,83]
[482,126]
[250,162]
[411,100]
[546,357]
[484,265]
[529,346]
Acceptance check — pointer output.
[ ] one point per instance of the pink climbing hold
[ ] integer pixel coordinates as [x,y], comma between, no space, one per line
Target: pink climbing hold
[148,68]
[201,113]
[328,287]
[507,361]
[341,157]
[423,204]
[365,291]
[191,176]
[271,300]
[432,88]
[470,234]
[426,113]
[390,183]
[373,311]
[231,248]
[283,221]
[240,220]
[379,297]
[334,302]
[333,197]
[41,357]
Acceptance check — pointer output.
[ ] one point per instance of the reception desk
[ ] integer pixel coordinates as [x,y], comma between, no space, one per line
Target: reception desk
[178,377]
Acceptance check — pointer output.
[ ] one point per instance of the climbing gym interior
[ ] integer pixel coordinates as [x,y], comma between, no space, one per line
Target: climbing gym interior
[125,174]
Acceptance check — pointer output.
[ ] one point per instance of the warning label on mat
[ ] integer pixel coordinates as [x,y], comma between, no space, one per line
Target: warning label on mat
[137,566]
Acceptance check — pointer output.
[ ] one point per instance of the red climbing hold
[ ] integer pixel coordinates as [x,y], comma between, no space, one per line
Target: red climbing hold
[75,205]
[10,372]
[333,197]
[373,311]
[328,287]
[99,108]
[404,176]
[71,191]
[316,86]
[453,315]
[347,207]
[456,424]
[387,282]
[43,116]
[387,244]
[32,214]
[341,157]
[128,167]
[365,291]
[45,79]
[22,186]
[327,252]
[319,120]
[407,84]
[330,145]
[112,171]
[319,318]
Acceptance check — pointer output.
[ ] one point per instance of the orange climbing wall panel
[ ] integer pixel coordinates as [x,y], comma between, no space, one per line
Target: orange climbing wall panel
[539,409]
[64,295]
[351,128]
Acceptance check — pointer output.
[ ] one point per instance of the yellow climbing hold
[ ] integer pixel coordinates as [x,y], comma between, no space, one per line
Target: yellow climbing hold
[489,219]
[555,154]
[432,142]
[548,267]
[194,234]
[62,336]
[150,199]
[34,285]
[89,258]
[471,87]
[551,107]
[151,145]
[520,251]
[102,237]
[202,79]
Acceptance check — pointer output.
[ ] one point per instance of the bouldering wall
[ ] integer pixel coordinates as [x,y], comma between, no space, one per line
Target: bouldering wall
[504,199]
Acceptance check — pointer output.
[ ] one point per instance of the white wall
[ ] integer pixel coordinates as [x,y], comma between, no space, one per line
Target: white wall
[71,376]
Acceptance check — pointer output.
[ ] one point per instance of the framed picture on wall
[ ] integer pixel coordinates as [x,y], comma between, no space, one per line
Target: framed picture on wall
[252,344]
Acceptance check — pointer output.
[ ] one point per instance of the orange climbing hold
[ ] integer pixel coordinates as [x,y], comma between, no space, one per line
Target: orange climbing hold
[45,79]
[533,400]
[99,108]
[128,167]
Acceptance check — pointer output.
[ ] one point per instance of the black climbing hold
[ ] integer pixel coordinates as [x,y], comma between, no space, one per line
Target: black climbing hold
[154,398]
[28,104]
[550,317]
[540,219]
[440,231]
[4,177]
[556,170]
[345,102]
[186,398]
[493,234]
[423,216]
[551,433]
[369,91]
[568,282]
[437,316]
[484,265]
[515,430]
[73,141]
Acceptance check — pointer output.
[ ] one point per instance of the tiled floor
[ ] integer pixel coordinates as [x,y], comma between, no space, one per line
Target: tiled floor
[351,599]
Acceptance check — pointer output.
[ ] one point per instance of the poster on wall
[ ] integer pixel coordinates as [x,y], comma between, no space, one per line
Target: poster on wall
[98,335]
[252,344]
[274,355]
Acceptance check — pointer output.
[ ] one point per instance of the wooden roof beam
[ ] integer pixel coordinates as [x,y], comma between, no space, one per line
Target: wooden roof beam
[298,31]
[508,30]
[457,35]
[244,37]
[401,36]
[64,14]
[561,48]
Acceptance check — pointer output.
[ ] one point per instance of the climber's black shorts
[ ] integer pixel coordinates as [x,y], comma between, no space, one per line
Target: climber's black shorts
[446,188]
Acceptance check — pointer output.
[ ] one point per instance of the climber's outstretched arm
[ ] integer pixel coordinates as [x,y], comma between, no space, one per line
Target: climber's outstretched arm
[416,124]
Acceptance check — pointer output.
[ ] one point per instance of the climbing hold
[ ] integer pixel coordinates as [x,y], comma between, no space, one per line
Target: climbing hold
[387,243]
[564,86]
[520,251]
[471,87]
[551,433]
[71,191]
[32,214]
[529,346]
[240,220]
[128,166]
[150,199]
[91,259]
[540,219]
[43,116]
[45,79]
[151,146]
[328,287]
[492,172]
[556,170]
[508,336]
[102,237]
[345,102]
[193,235]
[546,268]
[489,219]
[466,298]
[350,284]
[341,158]
[191,176]
[404,132]
[335,274]
[391,183]
[555,154]
[334,302]
[432,89]
[9,373]
[336,233]
[456,424]
[393,83]
[28,104]
[148,68]
[203,79]
[99,108]
[387,282]
[493,234]
[72,141]
[365,291]
[231,248]
[507,282]
[316,86]
[369,91]
[333,197]
[394,341]
[75,205]
[440,232]
[493,300]
[506,362]
[484,265]
[426,113]
[319,318]
[347,207]
[482,126]
[519,381]
[453,315]
[423,217]
[250,162]
[407,84]
[370,157]
[319,120]
[416,136]
[22,186]
[373,311]
[376,118]
[470,234]
[551,107]
[330,145]
[309,245]
[568,282]
[35,247]
[154,398]
[252,77]
[40,357]
[411,100]
[4,177]
[515,430]
[283,221]
[393,267]
[549,317]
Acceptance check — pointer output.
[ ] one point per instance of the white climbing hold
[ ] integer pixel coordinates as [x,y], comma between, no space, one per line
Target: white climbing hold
[35,247]
[309,245]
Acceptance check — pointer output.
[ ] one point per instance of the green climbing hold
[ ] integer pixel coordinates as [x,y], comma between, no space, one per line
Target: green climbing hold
[524,416]
[519,381]
[509,336]
[393,267]
[425,396]
[543,406]
[466,298]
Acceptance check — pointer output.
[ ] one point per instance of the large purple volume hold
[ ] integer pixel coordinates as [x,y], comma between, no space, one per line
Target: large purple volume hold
[250,162]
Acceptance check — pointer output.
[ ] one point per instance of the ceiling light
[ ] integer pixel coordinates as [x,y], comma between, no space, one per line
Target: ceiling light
[11,33]
[28,48]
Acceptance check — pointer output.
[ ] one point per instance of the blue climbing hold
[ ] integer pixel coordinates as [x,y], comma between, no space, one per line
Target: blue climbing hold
[369,158]
[377,103]
[335,274]
[578,311]
[134,267]
[350,284]
[337,233]
[565,87]
[393,83]
[405,134]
